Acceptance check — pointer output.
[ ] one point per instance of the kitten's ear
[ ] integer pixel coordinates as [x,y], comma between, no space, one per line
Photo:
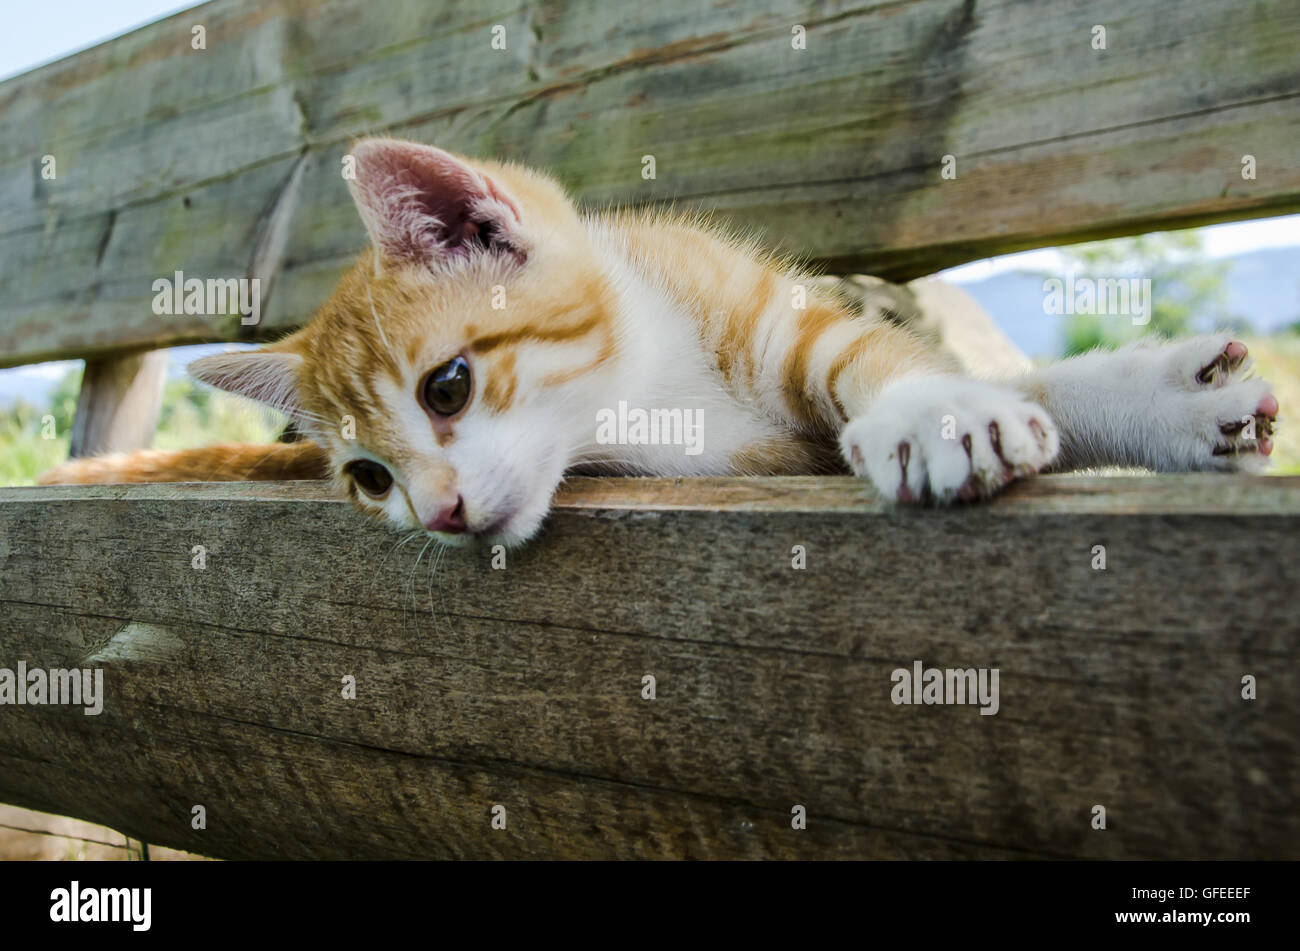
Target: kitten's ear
[268,376]
[425,205]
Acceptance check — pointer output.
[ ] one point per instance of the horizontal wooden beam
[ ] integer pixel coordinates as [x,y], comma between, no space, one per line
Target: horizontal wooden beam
[522,686]
[224,162]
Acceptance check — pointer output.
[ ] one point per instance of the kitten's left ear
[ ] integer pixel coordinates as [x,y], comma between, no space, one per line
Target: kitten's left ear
[268,376]
[425,205]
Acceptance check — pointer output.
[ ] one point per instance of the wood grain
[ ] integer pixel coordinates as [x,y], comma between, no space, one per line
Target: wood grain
[522,687]
[225,162]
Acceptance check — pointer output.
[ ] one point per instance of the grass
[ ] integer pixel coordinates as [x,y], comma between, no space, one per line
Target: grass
[190,417]
[24,453]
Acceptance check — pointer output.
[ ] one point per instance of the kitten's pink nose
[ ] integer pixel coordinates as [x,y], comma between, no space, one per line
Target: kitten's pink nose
[450,520]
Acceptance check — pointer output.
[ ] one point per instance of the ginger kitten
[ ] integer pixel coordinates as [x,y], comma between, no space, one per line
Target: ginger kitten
[476,346]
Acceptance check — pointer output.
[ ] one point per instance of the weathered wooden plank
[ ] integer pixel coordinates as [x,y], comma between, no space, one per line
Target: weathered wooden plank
[523,686]
[119,403]
[832,151]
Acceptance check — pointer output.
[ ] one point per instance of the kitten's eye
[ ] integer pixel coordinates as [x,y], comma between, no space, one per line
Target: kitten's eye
[446,389]
[372,478]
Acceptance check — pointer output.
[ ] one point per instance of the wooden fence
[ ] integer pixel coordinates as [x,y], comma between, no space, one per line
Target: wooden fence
[522,687]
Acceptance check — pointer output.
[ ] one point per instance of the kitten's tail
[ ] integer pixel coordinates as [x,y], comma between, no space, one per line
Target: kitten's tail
[229,462]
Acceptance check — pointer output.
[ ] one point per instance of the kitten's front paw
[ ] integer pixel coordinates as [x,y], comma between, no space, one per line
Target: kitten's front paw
[940,439]
[1213,413]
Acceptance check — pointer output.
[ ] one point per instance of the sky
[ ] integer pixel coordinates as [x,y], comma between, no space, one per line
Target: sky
[40,31]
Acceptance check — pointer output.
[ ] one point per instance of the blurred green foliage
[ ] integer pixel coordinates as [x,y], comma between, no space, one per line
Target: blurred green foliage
[29,443]
[191,416]
[1188,290]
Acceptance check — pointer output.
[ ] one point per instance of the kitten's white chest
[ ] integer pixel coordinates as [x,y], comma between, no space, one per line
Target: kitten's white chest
[674,412]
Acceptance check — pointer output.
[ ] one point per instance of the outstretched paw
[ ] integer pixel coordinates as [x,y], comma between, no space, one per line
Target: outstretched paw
[942,439]
[1223,418]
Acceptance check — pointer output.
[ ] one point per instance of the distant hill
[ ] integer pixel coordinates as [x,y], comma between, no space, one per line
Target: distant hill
[1263,289]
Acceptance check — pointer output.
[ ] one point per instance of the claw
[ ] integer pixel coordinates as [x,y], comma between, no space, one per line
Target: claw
[995,437]
[1039,430]
[904,456]
[1212,370]
[1228,360]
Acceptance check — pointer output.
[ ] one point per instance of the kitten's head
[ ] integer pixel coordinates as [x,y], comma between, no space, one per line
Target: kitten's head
[458,366]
